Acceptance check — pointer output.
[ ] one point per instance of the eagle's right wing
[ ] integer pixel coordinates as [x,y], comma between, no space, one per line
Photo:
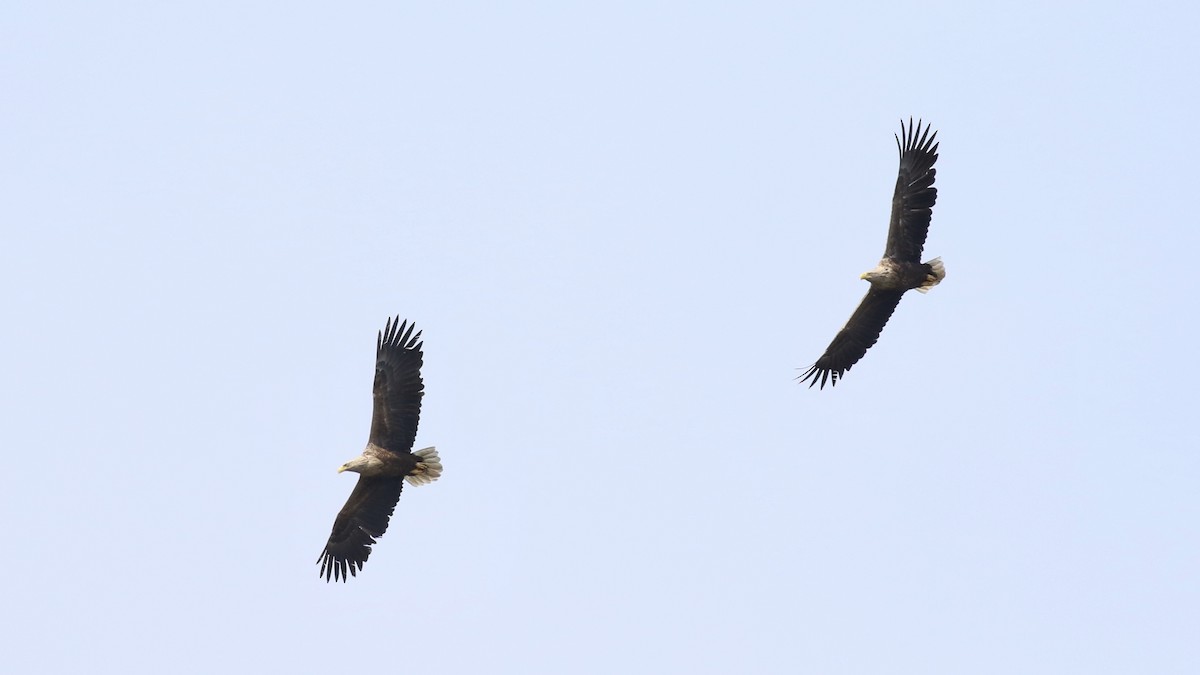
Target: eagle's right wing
[361,521]
[855,338]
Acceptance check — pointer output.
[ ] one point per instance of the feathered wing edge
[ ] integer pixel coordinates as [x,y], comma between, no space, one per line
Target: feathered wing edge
[914,196]
[358,525]
[398,388]
[855,338]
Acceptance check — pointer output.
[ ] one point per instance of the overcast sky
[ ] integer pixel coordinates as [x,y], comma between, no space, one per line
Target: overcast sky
[625,228]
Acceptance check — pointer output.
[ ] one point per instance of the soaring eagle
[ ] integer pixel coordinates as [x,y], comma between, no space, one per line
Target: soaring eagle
[901,268]
[387,460]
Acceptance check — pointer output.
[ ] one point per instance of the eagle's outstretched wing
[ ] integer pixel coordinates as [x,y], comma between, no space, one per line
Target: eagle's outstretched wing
[855,338]
[361,521]
[912,203]
[398,387]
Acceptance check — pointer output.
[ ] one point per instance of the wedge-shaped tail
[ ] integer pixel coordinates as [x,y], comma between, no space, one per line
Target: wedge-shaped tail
[428,469]
[934,277]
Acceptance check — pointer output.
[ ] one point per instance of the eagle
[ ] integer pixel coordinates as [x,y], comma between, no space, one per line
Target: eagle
[901,268]
[387,460]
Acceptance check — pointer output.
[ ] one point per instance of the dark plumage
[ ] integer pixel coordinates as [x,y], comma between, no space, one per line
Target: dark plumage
[901,268]
[387,461]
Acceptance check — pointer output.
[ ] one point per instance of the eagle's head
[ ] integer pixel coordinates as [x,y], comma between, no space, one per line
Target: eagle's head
[884,275]
[356,465]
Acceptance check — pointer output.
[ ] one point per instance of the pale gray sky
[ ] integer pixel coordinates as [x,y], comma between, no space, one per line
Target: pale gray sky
[623,229]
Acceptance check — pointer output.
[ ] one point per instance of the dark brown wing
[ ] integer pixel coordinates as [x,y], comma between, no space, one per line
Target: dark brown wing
[912,203]
[398,387]
[853,341]
[361,521]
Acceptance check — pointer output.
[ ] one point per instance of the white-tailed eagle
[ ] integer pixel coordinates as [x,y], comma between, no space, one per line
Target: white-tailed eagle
[901,268]
[387,460]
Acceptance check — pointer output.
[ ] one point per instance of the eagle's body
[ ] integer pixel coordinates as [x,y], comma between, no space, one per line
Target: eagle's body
[898,275]
[387,460]
[900,270]
[377,462]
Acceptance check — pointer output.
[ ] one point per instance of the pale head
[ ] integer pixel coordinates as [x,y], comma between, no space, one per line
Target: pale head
[357,465]
[883,276]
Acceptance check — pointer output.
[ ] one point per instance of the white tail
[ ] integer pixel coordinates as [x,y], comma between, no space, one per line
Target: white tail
[429,468]
[931,280]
